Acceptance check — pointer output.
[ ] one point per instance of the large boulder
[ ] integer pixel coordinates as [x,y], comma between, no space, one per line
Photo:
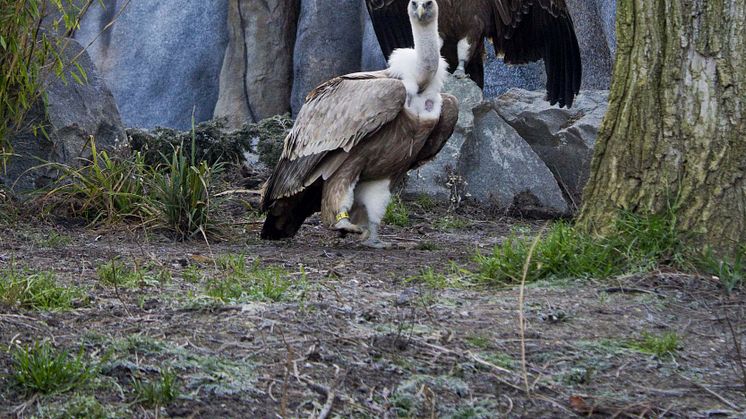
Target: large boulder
[437,177]
[502,172]
[328,44]
[161,59]
[255,81]
[563,138]
[75,114]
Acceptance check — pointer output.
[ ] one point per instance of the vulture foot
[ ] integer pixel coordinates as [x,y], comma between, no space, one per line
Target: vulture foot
[345,226]
[376,244]
[460,74]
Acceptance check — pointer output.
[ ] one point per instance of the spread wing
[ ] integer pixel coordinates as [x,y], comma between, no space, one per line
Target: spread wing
[336,116]
[529,30]
[391,23]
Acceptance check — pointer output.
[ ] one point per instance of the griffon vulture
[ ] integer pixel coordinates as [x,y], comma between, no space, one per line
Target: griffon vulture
[357,134]
[521,30]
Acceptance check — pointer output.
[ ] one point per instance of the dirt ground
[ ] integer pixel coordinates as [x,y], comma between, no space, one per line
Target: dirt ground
[358,333]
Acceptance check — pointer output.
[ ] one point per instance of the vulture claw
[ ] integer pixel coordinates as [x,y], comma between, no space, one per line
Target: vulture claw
[345,226]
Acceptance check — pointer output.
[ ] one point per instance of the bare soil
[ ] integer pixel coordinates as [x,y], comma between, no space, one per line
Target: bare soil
[356,334]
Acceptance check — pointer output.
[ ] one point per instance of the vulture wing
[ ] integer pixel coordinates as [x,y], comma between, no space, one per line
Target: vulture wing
[336,116]
[391,23]
[529,30]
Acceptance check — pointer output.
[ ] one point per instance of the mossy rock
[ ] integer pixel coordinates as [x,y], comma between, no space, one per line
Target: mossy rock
[214,142]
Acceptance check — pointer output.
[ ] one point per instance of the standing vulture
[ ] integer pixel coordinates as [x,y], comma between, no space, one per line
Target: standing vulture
[357,134]
[521,30]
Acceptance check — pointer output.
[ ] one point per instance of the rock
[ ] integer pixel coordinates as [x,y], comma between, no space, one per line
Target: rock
[503,173]
[563,138]
[255,81]
[372,58]
[74,113]
[161,59]
[607,13]
[328,44]
[433,178]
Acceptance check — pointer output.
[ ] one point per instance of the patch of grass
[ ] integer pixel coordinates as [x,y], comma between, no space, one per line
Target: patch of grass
[37,291]
[51,239]
[638,243]
[478,341]
[117,273]
[40,368]
[732,274]
[427,246]
[192,274]
[181,195]
[79,406]
[240,282]
[451,222]
[660,346]
[500,359]
[433,279]
[158,392]
[426,202]
[397,213]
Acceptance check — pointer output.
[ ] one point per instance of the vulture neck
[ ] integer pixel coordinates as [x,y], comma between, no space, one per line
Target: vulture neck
[427,47]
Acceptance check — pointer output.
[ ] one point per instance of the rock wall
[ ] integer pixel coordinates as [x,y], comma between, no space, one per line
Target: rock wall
[255,84]
[161,59]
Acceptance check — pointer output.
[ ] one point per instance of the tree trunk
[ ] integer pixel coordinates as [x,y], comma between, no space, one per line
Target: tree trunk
[675,131]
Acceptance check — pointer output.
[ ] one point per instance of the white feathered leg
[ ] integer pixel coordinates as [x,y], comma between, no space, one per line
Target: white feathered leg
[374,196]
[463,55]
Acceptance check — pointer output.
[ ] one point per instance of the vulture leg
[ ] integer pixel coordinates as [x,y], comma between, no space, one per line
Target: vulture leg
[374,196]
[464,53]
[338,197]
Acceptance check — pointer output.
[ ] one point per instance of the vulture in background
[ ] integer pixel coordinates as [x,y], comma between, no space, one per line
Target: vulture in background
[357,134]
[521,30]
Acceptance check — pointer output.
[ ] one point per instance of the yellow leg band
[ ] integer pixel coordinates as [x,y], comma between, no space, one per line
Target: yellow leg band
[342,215]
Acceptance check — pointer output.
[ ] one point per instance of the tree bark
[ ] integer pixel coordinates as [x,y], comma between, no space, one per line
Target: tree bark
[675,132]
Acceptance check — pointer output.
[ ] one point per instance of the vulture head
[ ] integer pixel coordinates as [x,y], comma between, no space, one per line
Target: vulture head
[423,12]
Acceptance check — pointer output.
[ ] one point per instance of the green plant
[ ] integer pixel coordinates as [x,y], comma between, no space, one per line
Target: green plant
[437,280]
[103,188]
[451,222]
[182,192]
[192,274]
[159,392]
[660,346]
[397,213]
[30,56]
[731,273]
[636,244]
[37,291]
[425,202]
[116,273]
[240,282]
[40,368]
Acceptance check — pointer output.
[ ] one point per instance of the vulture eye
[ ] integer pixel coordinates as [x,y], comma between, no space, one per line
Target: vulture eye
[429,4]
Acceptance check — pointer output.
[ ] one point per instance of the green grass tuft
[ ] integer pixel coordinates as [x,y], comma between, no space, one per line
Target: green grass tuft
[451,222]
[397,213]
[37,291]
[42,369]
[156,393]
[660,346]
[239,282]
[732,274]
[637,244]
[437,280]
[426,202]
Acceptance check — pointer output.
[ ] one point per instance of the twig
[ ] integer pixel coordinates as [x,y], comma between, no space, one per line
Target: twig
[521,317]
[737,345]
[624,290]
[719,397]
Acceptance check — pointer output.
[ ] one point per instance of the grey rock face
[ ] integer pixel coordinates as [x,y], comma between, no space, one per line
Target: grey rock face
[502,172]
[433,178]
[75,113]
[255,81]
[607,13]
[563,138]
[328,44]
[161,59]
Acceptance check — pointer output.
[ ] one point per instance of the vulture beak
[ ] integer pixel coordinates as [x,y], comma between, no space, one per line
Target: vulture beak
[420,11]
